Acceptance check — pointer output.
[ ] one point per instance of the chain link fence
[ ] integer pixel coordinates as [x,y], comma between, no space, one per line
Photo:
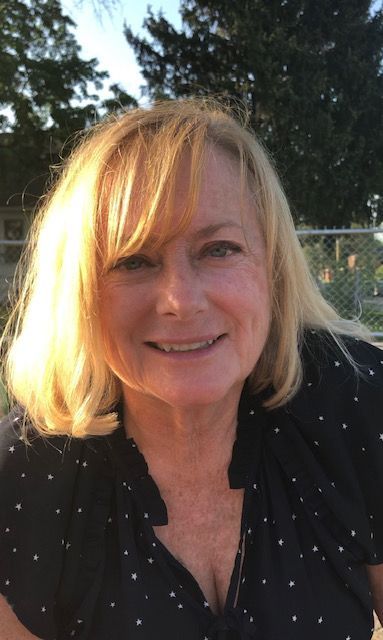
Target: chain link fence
[347,265]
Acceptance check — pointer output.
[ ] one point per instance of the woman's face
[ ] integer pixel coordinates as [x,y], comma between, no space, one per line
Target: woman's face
[186,324]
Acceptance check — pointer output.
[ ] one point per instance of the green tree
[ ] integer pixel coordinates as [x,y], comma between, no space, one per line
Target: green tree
[310,72]
[47,92]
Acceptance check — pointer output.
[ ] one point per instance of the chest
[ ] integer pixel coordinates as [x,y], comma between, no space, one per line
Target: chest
[203,534]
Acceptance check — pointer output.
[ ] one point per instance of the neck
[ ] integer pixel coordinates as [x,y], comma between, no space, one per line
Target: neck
[191,442]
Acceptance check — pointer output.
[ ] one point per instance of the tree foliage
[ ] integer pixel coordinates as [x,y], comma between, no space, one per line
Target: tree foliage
[311,75]
[47,91]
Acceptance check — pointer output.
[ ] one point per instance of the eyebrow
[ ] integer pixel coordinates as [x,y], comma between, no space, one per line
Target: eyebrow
[211,229]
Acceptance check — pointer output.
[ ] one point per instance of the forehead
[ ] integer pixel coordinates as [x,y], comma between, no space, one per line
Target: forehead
[203,189]
[224,193]
[212,193]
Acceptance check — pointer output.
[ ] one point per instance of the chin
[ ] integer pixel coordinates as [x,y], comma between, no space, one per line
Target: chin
[198,395]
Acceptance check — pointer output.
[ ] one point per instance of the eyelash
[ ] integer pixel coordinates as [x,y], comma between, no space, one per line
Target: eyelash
[228,247]
[124,262]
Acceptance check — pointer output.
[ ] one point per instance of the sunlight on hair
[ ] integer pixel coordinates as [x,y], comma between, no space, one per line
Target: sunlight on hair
[114,194]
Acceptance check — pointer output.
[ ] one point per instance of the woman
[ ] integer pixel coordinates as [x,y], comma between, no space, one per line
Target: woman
[199,449]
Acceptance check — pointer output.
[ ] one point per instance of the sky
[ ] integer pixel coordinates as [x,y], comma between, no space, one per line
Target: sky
[105,41]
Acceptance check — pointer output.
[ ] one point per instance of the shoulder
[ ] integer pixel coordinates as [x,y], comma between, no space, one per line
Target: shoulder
[21,445]
[331,435]
[45,464]
[351,363]
[43,483]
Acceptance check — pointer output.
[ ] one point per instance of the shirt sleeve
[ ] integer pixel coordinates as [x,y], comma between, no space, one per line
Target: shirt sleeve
[365,441]
[343,407]
[36,486]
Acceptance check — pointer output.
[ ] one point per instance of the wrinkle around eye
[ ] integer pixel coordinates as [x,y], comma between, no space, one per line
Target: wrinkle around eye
[133,263]
[227,248]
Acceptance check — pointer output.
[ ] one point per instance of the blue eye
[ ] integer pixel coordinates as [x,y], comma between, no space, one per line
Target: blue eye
[132,263]
[222,250]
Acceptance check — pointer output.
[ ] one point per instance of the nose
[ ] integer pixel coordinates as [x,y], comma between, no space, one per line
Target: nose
[181,292]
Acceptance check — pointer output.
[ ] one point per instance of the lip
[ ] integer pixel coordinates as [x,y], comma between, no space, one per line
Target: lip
[182,341]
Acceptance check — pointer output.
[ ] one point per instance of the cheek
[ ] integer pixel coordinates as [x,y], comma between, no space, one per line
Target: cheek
[250,297]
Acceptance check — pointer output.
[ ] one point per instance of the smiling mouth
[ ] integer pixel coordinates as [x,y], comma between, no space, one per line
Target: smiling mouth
[193,346]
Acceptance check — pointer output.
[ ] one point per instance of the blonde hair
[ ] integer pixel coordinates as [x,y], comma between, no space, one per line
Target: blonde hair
[55,364]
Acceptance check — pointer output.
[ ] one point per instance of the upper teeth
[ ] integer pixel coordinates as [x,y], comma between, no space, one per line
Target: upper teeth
[183,347]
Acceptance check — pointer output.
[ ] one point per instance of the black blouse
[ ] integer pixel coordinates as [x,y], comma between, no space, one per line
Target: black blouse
[79,557]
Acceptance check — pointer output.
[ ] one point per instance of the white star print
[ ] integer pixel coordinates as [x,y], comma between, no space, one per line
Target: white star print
[294,517]
[35,557]
[58,511]
[251,412]
[146,515]
[150,560]
[138,622]
[281,542]
[315,548]
[353,533]
[134,576]
[321,418]
[18,506]
[68,546]
[294,618]
[11,449]
[7,582]
[276,430]
[50,477]
[79,510]
[264,581]
[43,609]
[112,604]
[340,549]
[291,583]
[337,363]
[205,604]
[180,606]
[348,638]
[23,475]
[320,620]
[381,436]
[85,464]
[356,399]
[344,426]
[371,372]
[172,594]
[126,552]
[316,443]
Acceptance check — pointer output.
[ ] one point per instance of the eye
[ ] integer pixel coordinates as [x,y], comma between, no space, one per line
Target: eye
[133,263]
[222,249]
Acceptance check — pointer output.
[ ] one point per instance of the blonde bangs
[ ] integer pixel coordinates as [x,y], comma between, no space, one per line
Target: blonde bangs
[136,204]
